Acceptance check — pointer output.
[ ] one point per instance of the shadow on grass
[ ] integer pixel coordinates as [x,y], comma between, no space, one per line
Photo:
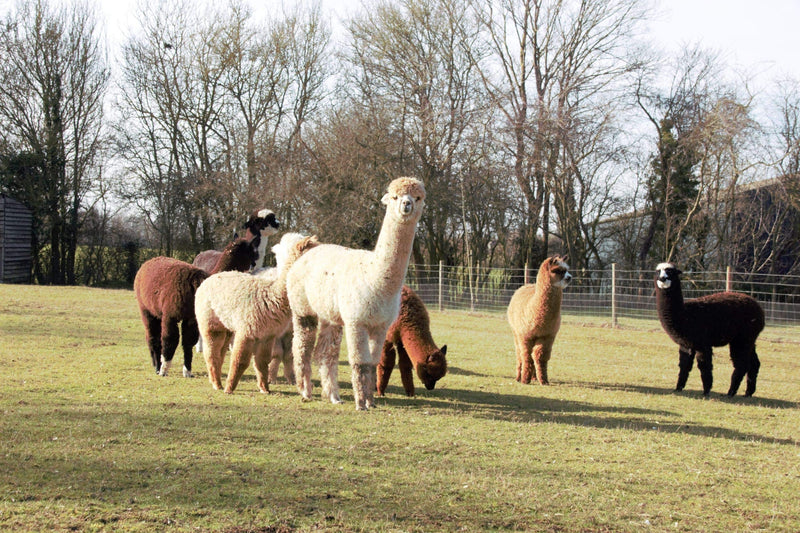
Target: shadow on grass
[533,409]
[719,396]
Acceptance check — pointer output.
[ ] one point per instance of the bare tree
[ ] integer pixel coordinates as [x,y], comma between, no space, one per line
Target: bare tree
[413,59]
[55,77]
[548,60]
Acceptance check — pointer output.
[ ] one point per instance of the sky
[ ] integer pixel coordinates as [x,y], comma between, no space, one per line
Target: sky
[760,37]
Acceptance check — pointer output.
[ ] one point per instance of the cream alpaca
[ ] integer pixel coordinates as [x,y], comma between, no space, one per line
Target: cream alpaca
[534,313]
[333,288]
[250,310]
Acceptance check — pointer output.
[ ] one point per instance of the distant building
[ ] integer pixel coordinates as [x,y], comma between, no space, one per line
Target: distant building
[16,226]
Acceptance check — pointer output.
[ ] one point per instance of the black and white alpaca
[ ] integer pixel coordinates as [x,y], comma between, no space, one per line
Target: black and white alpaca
[699,324]
[260,225]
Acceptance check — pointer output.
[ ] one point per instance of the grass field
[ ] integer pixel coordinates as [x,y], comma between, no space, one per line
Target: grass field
[92,440]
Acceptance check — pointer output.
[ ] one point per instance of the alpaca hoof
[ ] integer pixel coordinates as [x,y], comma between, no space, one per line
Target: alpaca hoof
[187,373]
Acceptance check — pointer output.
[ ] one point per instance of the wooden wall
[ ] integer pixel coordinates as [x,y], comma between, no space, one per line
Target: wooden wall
[16,225]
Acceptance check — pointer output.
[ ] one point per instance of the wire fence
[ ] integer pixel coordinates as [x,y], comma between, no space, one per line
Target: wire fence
[609,293]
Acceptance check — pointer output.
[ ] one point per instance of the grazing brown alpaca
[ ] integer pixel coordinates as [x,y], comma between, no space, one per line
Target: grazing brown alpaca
[165,289]
[535,317]
[411,336]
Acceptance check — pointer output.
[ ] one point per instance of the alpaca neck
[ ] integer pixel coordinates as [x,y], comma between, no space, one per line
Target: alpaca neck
[670,308]
[392,253]
[547,296]
[418,344]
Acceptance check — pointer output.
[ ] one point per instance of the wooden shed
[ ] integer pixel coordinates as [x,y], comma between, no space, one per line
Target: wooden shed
[16,225]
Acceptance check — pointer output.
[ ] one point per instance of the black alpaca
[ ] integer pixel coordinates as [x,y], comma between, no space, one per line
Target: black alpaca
[699,324]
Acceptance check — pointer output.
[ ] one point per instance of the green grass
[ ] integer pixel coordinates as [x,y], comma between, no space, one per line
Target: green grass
[92,440]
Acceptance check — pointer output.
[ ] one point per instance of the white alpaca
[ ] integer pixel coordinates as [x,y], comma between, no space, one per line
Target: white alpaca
[332,287]
[282,346]
[248,309]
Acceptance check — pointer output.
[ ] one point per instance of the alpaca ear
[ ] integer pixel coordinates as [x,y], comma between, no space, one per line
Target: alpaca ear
[443,349]
[386,199]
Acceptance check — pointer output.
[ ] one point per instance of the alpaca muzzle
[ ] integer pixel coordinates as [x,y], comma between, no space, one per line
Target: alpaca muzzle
[663,281]
[562,284]
[406,205]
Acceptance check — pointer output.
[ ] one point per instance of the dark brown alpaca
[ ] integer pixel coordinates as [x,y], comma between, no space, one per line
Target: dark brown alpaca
[410,336]
[699,324]
[534,314]
[164,289]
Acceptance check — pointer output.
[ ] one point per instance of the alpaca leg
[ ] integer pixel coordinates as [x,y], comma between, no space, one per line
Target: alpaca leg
[152,333]
[385,367]
[241,353]
[541,356]
[275,361]
[360,360]
[705,366]
[327,353]
[524,360]
[262,361]
[685,363]
[752,374]
[189,336]
[376,340]
[215,345]
[406,370]
[305,333]
[288,366]
[170,337]
[740,357]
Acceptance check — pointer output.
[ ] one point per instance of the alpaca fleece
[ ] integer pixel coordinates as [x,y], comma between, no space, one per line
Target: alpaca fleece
[333,288]
[165,290]
[700,324]
[534,314]
[409,341]
[251,311]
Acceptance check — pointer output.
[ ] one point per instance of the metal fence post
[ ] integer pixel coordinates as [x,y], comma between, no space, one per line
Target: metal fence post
[525,274]
[441,275]
[614,294]
[728,282]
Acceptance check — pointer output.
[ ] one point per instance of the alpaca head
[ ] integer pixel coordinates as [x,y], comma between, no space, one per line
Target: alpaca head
[284,247]
[405,199]
[261,223]
[297,248]
[667,275]
[434,368]
[554,270]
